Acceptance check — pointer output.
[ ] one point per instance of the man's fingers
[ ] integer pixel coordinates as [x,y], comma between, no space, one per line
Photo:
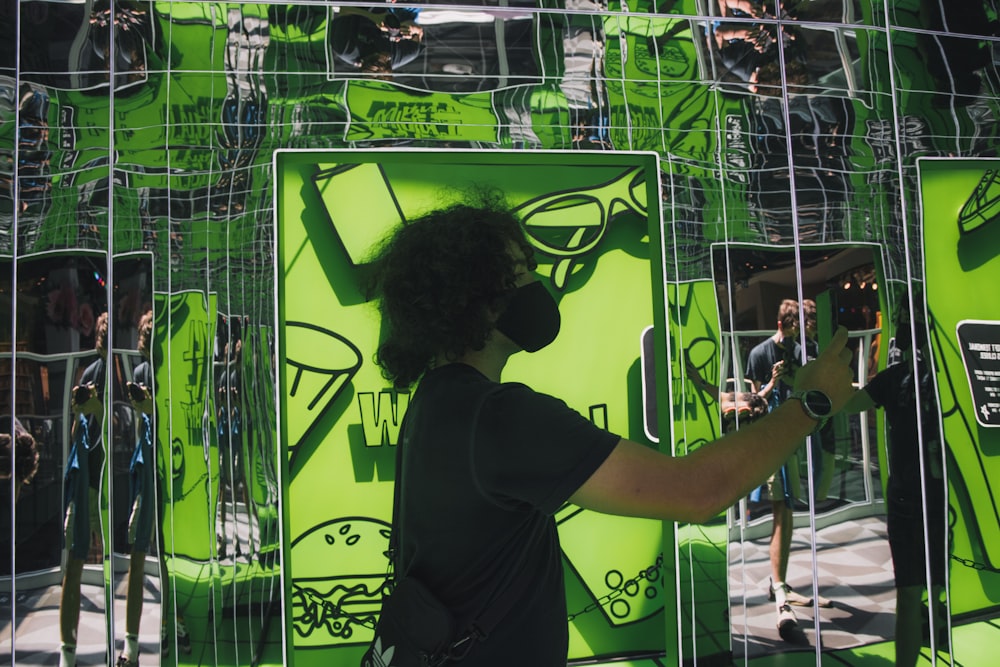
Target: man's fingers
[838,342]
[838,345]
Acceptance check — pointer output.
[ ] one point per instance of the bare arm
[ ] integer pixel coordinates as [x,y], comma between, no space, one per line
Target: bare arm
[743,5]
[699,381]
[777,372]
[638,481]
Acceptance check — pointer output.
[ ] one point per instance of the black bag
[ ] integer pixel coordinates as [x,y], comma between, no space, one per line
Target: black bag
[415,629]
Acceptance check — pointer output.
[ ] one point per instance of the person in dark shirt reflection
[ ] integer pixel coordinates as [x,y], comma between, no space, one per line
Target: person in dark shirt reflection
[916,488]
[376,41]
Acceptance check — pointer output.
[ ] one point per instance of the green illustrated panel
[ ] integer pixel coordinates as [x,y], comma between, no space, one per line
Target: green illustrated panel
[961,223]
[599,252]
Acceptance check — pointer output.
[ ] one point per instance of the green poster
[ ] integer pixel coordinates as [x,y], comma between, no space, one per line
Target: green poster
[961,243]
[598,247]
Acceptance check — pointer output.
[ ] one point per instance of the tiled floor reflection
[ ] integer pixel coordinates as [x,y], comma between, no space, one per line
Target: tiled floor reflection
[37,629]
[855,572]
[223,604]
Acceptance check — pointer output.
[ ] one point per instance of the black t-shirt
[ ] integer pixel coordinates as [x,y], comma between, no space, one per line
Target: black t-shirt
[895,390]
[143,375]
[471,518]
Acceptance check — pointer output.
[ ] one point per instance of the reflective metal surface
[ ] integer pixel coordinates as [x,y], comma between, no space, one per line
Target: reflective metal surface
[135,162]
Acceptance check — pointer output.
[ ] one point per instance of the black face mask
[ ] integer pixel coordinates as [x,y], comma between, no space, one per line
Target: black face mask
[531,319]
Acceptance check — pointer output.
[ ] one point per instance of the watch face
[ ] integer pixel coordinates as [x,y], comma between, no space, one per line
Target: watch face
[818,403]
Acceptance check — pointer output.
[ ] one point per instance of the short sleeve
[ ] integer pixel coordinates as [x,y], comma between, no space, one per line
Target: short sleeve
[755,361]
[533,449]
[882,386]
[142,374]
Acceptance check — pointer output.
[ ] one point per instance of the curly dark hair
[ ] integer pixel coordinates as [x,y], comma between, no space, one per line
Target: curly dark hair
[440,280]
[23,455]
[750,405]
[797,78]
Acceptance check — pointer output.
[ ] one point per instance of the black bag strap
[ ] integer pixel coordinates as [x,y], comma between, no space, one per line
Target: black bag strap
[503,601]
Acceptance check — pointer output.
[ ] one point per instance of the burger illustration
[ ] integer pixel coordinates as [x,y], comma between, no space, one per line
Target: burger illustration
[338,581]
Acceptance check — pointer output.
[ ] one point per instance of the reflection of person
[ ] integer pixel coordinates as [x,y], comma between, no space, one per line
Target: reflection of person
[737,408]
[740,409]
[244,111]
[232,454]
[458,297]
[896,389]
[34,154]
[142,493]
[701,383]
[18,457]
[743,49]
[82,482]
[770,367]
[132,33]
[376,41]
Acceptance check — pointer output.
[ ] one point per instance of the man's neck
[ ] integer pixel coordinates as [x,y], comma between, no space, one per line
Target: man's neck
[489,361]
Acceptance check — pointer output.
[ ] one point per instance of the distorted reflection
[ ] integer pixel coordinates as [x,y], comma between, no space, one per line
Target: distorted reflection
[582,81]
[127,28]
[378,40]
[33,159]
[84,478]
[140,493]
[245,486]
[955,64]
[231,420]
[836,478]
[18,457]
[432,48]
[136,512]
[244,111]
[190,589]
[798,114]
[130,125]
[915,496]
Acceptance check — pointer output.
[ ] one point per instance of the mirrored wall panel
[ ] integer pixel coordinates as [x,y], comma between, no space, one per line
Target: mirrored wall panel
[837,154]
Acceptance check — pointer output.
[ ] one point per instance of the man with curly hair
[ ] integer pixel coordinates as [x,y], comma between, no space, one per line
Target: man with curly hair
[487,463]
[18,457]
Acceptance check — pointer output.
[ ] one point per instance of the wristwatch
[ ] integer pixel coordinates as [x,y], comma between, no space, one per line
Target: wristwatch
[815,403]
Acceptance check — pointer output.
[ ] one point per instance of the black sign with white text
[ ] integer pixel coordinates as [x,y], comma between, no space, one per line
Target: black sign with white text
[980,343]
